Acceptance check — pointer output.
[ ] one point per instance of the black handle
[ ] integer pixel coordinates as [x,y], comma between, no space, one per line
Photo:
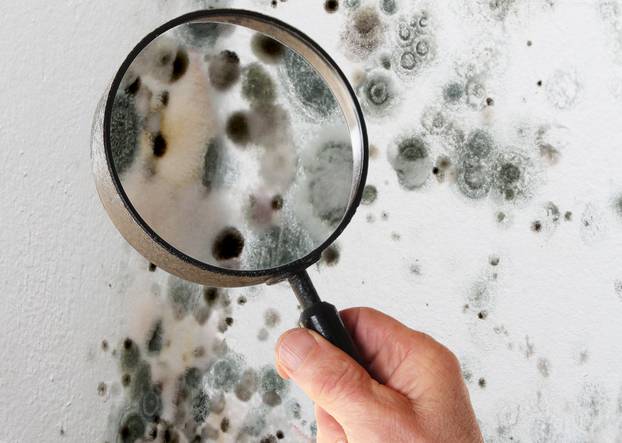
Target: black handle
[322,317]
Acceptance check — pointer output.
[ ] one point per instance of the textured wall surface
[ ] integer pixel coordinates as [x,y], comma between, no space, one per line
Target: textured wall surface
[500,233]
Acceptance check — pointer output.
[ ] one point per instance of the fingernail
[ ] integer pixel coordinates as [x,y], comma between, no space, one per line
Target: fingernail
[294,347]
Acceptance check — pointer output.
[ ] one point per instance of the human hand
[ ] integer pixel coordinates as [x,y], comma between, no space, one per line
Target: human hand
[412,390]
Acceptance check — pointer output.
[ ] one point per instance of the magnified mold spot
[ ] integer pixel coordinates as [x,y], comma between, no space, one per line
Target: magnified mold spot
[213,164]
[228,244]
[224,424]
[411,161]
[130,354]
[308,89]
[224,70]
[125,127]
[363,33]
[271,318]
[201,35]
[370,193]
[159,145]
[474,167]
[132,428]
[180,65]
[330,255]
[267,49]
[329,179]
[378,94]
[331,6]
[217,403]
[257,85]
[133,87]
[405,33]
[154,342]
[238,128]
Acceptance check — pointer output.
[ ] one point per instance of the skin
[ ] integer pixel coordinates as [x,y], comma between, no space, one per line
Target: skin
[411,390]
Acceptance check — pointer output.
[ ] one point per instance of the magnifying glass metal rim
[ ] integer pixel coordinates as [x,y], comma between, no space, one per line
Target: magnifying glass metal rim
[140,235]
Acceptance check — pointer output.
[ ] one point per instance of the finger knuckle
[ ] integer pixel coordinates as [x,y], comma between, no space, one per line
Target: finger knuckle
[338,382]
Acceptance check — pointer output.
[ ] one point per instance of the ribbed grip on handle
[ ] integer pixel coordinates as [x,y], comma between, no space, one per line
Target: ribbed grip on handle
[324,319]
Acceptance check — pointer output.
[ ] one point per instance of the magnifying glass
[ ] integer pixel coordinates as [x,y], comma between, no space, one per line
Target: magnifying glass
[230,150]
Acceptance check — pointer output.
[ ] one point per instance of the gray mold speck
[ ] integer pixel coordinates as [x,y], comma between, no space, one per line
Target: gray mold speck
[411,160]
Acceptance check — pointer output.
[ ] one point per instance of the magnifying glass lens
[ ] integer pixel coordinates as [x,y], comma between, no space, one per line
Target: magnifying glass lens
[231,147]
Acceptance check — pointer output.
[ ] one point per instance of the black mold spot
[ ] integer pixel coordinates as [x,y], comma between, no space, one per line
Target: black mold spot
[494,260]
[539,83]
[104,345]
[370,193]
[238,128]
[529,43]
[453,92]
[271,318]
[280,435]
[101,389]
[159,145]
[501,217]
[224,424]
[126,379]
[482,315]
[568,216]
[263,334]
[133,87]
[490,101]
[180,65]
[331,5]
[268,439]
[388,6]
[276,203]
[247,386]
[330,255]
[132,429]
[224,70]
[154,342]
[165,98]
[242,300]
[482,382]
[536,226]
[229,321]
[224,374]
[228,244]
[211,295]
[257,85]
[152,267]
[267,49]
[130,354]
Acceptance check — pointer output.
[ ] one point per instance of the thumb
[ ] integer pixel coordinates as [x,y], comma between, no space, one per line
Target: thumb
[333,380]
